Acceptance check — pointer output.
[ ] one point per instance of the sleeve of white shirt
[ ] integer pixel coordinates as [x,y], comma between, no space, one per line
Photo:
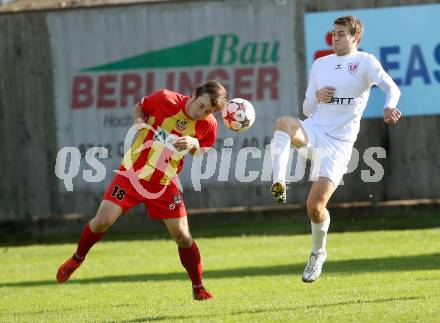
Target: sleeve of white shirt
[378,76]
[311,101]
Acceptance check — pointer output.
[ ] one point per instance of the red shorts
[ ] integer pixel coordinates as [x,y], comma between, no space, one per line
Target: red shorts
[161,201]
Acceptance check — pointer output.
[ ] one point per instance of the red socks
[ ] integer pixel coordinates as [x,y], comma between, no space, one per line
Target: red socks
[190,258]
[86,241]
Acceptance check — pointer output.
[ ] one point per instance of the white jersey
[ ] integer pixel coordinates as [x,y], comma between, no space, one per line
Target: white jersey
[352,76]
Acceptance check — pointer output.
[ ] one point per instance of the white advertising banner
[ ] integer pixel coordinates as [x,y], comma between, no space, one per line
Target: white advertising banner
[105,60]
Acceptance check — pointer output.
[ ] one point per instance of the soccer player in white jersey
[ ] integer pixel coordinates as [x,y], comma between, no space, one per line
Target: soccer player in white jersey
[337,93]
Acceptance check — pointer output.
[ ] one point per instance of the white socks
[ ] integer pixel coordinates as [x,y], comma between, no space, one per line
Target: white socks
[319,235]
[280,150]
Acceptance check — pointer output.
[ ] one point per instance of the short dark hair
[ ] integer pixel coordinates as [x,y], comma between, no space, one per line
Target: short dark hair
[354,25]
[216,91]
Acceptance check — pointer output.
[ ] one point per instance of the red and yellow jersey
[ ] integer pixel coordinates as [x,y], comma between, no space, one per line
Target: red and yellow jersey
[152,152]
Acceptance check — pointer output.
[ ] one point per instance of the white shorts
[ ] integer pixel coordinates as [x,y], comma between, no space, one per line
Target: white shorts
[329,156]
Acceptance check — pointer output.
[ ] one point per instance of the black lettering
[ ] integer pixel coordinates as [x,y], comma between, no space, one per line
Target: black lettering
[120,149]
[82,148]
[108,121]
[112,121]
[109,149]
[118,193]
[254,142]
[335,100]
[341,100]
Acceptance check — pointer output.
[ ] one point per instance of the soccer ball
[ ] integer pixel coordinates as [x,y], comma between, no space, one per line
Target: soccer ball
[239,115]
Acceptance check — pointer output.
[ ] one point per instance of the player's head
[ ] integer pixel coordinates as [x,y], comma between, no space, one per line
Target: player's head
[347,34]
[207,98]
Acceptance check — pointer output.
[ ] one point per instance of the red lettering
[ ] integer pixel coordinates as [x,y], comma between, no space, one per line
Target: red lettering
[82,96]
[171,77]
[241,83]
[267,79]
[106,89]
[149,84]
[112,90]
[130,86]
[185,84]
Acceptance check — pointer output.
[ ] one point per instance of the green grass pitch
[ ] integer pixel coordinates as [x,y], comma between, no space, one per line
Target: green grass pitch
[388,273]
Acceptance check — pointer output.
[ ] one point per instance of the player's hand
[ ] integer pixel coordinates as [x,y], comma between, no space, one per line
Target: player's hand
[186,143]
[139,123]
[391,115]
[325,94]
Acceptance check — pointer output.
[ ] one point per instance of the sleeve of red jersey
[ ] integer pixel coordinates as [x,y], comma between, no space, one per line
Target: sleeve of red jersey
[207,132]
[150,101]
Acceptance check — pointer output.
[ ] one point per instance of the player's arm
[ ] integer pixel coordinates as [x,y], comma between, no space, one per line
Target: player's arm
[309,105]
[141,111]
[392,94]
[310,100]
[145,107]
[315,95]
[138,114]
[377,75]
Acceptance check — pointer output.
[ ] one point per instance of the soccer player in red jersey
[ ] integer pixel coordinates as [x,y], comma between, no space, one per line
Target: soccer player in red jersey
[170,124]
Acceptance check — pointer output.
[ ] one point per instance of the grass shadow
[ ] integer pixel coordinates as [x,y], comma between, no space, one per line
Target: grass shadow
[275,309]
[268,224]
[385,264]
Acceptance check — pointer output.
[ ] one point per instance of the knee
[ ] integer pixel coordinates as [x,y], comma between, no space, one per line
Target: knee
[287,124]
[100,223]
[316,211]
[183,239]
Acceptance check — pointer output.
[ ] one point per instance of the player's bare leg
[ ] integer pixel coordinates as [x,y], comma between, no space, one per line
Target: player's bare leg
[189,255]
[319,195]
[93,232]
[108,213]
[288,131]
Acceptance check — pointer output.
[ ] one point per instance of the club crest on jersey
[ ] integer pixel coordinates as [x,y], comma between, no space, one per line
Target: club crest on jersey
[181,124]
[177,199]
[353,67]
